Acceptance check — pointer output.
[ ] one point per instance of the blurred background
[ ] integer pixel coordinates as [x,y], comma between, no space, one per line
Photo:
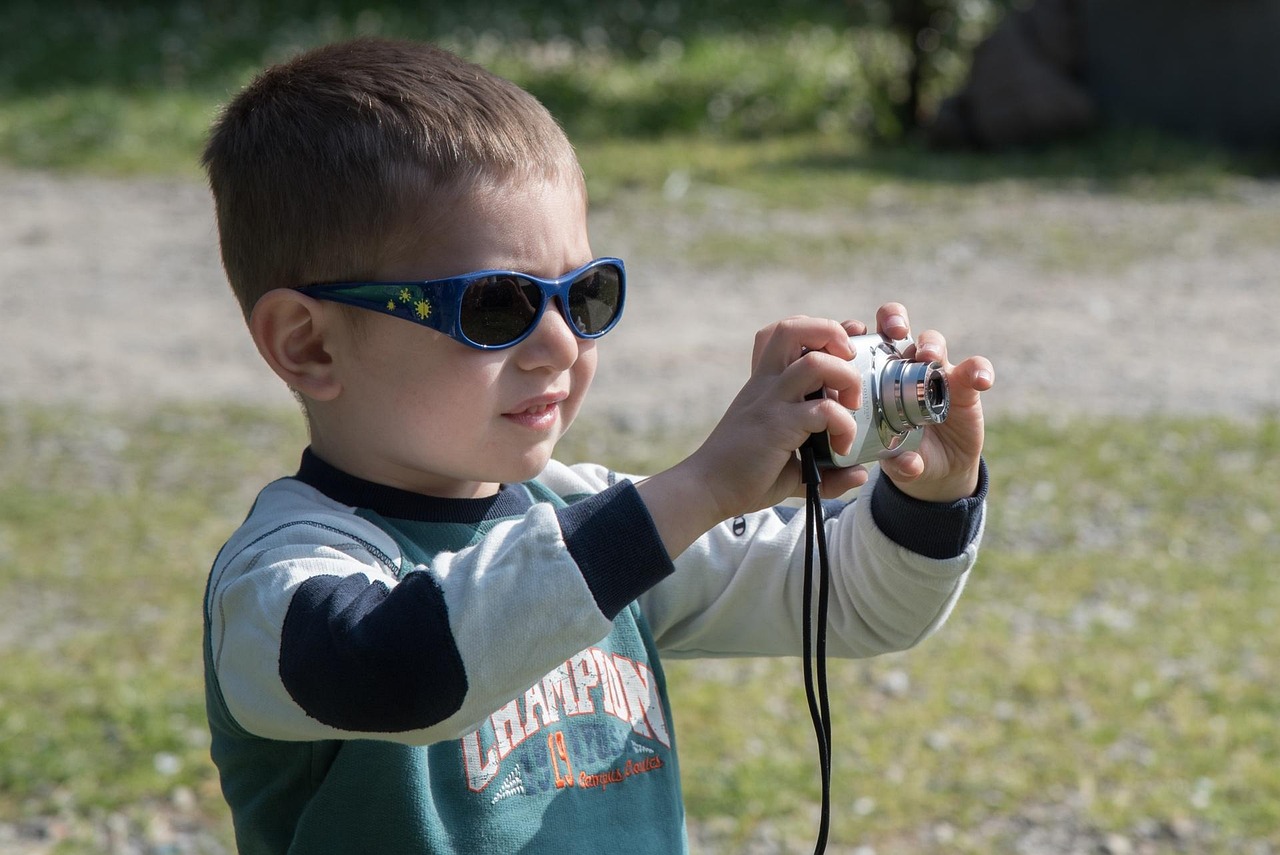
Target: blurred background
[87,83]
[1085,191]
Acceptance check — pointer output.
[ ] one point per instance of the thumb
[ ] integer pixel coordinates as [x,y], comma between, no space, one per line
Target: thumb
[969,380]
[903,468]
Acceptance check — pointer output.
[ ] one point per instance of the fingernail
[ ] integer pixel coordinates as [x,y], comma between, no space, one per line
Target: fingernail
[982,375]
[895,321]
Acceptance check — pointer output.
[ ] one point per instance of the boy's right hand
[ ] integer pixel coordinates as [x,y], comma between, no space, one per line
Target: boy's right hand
[749,462]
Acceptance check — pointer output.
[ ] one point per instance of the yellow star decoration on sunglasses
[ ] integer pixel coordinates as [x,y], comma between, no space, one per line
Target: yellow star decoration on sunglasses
[422,309]
[391,305]
[405,295]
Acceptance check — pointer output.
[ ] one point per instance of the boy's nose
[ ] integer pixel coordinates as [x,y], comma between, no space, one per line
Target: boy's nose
[552,343]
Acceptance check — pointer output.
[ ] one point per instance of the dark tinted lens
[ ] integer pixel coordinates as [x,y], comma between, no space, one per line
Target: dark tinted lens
[594,299]
[499,309]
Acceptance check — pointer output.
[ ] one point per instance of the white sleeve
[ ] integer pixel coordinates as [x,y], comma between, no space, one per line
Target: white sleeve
[738,591]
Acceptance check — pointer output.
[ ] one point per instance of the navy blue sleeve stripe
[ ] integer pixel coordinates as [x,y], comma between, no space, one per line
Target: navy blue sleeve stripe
[933,529]
[616,546]
[358,656]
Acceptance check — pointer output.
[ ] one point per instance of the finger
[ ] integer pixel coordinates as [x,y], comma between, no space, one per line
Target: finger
[891,321]
[903,468]
[824,414]
[780,344]
[771,343]
[931,346]
[982,374]
[837,482]
[820,417]
[819,370]
[854,327]
[842,441]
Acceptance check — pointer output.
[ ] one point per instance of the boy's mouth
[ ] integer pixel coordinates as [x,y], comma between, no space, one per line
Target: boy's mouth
[540,412]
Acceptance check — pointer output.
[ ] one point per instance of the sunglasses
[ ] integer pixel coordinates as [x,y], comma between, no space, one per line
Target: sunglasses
[493,309]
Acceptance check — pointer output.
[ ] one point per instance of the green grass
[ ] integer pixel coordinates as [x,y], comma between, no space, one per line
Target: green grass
[729,89]
[1114,652]
[105,525]
[809,170]
[133,86]
[102,130]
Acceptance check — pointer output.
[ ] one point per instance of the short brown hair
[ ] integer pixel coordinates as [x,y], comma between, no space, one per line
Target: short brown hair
[320,164]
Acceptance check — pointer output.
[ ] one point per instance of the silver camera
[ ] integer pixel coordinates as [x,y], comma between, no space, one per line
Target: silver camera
[899,399]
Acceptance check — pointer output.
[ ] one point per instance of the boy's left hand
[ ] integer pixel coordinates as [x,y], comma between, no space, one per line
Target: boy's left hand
[945,467]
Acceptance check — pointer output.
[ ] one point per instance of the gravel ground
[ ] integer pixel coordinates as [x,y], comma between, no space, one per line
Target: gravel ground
[113,297]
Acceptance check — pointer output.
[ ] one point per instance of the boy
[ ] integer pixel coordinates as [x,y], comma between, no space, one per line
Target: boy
[434,638]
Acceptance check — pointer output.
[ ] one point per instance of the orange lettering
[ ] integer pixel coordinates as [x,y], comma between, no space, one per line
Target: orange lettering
[560,753]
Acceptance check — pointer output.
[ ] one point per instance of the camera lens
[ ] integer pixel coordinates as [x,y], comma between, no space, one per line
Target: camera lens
[914,394]
[937,399]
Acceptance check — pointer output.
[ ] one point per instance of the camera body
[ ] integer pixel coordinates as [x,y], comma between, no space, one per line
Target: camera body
[899,399]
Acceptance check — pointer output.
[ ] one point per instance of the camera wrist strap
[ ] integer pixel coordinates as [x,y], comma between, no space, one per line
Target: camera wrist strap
[814,644]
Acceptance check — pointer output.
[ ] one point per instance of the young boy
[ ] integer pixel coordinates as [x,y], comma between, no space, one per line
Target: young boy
[433,637]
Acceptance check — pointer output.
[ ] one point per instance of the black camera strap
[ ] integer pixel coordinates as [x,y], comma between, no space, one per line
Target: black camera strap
[814,644]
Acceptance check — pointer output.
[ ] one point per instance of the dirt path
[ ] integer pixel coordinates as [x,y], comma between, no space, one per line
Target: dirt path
[112,294]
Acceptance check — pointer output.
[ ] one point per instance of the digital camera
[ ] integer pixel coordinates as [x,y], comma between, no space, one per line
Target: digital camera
[899,399]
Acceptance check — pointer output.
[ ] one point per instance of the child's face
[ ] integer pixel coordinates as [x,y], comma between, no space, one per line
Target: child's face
[421,411]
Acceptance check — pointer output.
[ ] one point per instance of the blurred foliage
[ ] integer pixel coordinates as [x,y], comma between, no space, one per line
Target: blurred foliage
[936,33]
[735,68]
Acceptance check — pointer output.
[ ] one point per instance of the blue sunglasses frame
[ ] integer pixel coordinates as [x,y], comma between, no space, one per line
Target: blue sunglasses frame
[437,303]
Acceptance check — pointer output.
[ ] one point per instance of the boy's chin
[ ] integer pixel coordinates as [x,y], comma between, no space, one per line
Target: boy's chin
[531,464]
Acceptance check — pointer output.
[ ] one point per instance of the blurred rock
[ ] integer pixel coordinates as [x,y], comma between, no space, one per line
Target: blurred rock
[1198,69]
[1057,29]
[1188,67]
[1024,85]
[1117,844]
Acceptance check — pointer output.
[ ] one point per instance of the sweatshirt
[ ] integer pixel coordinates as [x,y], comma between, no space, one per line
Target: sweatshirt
[396,673]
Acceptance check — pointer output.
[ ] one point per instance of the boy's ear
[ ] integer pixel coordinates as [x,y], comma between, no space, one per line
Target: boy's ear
[290,330]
